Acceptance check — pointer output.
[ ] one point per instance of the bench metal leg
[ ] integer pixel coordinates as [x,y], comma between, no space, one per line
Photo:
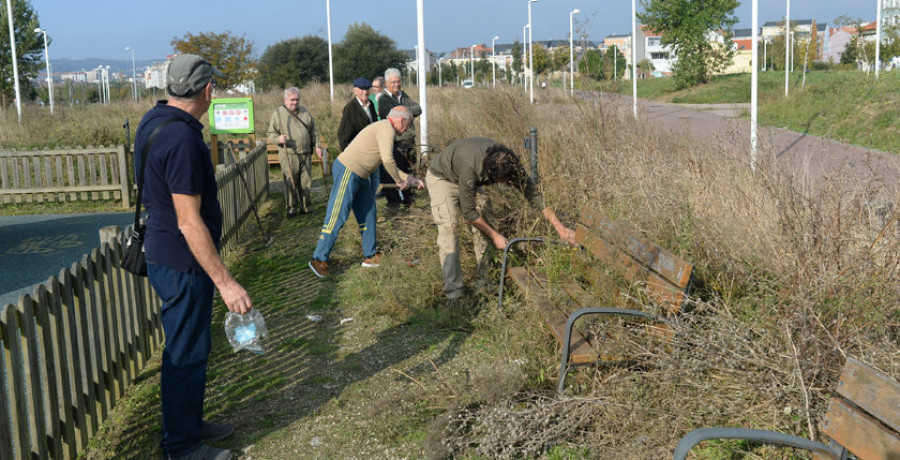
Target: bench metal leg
[570,324]
[762,436]
[509,245]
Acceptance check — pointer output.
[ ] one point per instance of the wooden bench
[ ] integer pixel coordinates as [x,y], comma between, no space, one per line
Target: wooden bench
[863,419]
[662,275]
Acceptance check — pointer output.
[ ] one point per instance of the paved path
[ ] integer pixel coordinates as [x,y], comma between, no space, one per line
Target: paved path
[809,158]
[34,248]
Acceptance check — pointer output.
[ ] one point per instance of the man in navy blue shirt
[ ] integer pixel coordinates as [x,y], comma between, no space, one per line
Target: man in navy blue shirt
[184,224]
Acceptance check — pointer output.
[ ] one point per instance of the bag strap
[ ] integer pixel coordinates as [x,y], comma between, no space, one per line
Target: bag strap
[144,154]
[296,116]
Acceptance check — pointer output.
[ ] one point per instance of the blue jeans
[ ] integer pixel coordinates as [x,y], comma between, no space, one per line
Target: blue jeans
[350,192]
[186,319]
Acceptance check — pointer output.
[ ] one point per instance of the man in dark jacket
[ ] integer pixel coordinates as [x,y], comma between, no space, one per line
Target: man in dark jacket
[358,113]
[405,144]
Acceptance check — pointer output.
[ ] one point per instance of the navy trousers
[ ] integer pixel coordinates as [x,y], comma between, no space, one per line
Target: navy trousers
[186,319]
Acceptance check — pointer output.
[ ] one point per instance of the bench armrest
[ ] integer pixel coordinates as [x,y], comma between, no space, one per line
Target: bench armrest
[762,436]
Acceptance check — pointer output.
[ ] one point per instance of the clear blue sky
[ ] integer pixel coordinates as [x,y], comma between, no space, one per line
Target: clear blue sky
[103,28]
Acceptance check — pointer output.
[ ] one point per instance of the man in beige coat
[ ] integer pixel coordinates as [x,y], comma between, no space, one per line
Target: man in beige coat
[293,129]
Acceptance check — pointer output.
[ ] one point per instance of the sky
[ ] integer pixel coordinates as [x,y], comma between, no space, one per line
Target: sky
[103,28]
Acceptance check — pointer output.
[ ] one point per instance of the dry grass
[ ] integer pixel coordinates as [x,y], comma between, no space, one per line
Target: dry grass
[790,278]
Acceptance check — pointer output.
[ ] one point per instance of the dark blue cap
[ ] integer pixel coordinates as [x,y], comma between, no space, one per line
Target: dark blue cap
[362,83]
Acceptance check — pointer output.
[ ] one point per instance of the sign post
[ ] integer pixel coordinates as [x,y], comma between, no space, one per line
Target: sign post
[230,116]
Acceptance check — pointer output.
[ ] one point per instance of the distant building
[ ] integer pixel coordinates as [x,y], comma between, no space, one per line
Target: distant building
[838,39]
[155,74]
[623,43]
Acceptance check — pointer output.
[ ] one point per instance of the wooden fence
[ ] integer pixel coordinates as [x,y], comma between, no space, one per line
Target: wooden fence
[70,349]
[92,173]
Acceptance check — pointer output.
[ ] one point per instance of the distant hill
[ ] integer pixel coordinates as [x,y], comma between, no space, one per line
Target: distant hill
[75,65]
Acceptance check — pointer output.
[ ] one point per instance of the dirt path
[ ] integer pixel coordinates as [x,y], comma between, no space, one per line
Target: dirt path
[809,158]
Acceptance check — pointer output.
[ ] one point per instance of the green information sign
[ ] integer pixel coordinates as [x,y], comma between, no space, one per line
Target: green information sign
[231,116]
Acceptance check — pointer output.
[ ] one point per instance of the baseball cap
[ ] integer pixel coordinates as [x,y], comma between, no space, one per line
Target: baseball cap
[188,73]
[362,83]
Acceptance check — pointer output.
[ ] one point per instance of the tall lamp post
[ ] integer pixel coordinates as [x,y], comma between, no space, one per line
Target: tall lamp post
[12,46]
[49,76]
[494,60]
[572,52]
[530,55]
[472,48]
[524,57]
[634,58]
[133,74]
[787,46]
[330,62]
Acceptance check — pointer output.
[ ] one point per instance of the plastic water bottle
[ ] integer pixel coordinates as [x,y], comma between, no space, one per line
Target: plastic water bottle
[246,332]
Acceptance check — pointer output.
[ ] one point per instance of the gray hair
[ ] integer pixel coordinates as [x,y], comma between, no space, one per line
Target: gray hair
[378,81]
[291,90]
[392,72]
[401,112]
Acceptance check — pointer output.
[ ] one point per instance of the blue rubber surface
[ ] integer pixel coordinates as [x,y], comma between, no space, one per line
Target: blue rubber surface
[34,248]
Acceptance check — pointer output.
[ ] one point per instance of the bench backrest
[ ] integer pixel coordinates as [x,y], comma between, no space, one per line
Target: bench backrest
[865,415]
[665,275]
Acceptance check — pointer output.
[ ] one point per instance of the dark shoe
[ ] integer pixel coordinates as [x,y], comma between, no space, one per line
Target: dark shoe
[372,262]
[319,267]
[291,214]
[204,452]
[215,432]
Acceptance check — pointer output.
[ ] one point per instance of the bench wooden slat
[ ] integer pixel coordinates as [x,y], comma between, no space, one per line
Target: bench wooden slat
[859,433]
[658,288]
[669,266]
[581,350]
[872,391]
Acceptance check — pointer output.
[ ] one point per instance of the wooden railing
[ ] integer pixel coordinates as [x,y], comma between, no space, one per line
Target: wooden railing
[92,173]
[72,347]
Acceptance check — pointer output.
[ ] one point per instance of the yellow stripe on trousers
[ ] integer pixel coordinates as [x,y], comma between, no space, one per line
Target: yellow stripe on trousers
[336,208]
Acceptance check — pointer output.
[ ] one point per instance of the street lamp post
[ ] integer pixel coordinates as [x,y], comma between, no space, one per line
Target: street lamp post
[12,47]
[787,46]
[494,60]
[572,53]
[530,54]
[524,57]
[330,61]
[49,76]
[134,91]
[473,63]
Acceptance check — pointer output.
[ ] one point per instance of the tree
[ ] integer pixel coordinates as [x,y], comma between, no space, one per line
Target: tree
[230,54]
[541,59]
[517,61]
[591,64]
[686,25]
[365,52]
[613,64]
[560,58]
[294,62]
[29,51]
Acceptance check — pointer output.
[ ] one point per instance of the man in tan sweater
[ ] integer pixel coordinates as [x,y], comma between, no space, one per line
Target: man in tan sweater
[355,173]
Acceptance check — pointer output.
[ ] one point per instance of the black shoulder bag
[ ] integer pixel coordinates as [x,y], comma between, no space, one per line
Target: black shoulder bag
[134,260]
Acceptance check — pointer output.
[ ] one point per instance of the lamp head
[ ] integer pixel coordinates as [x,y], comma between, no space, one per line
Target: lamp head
[576,11]
[497,37]
[38,30]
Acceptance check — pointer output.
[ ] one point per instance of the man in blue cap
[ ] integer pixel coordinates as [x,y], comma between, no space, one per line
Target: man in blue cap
[358,113]
[182,247]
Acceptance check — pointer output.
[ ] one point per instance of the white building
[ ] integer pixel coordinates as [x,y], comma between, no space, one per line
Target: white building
[155,74]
